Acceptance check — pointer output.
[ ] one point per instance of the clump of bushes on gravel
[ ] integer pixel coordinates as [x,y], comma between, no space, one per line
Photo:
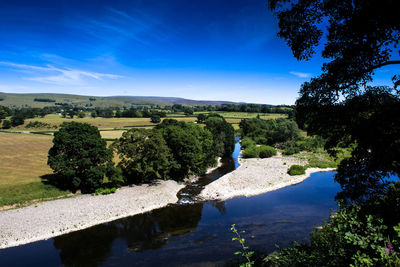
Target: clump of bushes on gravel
[297,170]
[262,151]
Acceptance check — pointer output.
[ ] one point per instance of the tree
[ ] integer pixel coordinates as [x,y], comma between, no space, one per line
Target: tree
[201,118]
[361,37]
[81,115]
[155,119]
[223,135]
[191,146]
[6,124]
[17,119]
[93,114]
[144,156]
[79,156]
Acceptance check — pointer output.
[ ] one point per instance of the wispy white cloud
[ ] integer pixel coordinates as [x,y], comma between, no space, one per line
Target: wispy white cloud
[300,74]
[52,74]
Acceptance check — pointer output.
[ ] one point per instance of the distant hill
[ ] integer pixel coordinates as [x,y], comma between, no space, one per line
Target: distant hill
[42,100]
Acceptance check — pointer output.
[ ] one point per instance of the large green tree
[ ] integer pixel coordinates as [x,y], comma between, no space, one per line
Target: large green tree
[223,135]
[80,157]
[144,156]
[191,146]
[360,37]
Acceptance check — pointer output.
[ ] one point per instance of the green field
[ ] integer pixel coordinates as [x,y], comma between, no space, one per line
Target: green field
[23,160]
[101,123]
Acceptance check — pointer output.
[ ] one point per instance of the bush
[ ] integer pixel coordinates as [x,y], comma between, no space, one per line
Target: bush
[247,142]
[105,191]
[251,152]
[266,151]
[290,150]
[296,170]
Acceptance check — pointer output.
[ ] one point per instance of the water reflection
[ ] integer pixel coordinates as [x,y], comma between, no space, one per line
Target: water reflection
[148,231]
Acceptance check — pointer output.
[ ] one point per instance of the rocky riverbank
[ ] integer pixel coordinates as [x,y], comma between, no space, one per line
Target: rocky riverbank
[53,218]
[256,176]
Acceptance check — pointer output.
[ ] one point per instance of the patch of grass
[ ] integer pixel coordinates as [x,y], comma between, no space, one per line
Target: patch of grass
[111,134]
[57,120]
[22,193]
[321,158]
[23,158]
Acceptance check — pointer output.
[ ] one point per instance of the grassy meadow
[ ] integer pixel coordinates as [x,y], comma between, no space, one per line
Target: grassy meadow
[23,160]
[101,123]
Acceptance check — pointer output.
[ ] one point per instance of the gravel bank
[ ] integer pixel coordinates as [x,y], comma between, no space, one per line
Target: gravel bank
[256,176]
[49,219]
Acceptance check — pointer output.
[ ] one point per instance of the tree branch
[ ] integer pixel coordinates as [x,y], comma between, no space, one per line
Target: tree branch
[390,62]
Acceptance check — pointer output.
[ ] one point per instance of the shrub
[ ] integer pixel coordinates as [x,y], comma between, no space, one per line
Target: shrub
[296,170]
[266,151]
[247,142]
[290,150]
[104,191]
[251,152]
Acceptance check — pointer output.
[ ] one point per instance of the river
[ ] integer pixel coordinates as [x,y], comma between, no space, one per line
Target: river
[190,233]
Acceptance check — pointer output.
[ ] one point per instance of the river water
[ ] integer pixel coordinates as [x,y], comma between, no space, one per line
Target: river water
[190,233]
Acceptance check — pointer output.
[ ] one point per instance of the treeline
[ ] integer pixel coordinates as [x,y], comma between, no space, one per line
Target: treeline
[19,115]
[250,108]
[172,150]
[260,136]
[43,100]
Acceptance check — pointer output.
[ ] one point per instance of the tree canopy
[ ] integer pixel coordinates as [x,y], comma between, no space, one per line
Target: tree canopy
[358,37]
[79,157]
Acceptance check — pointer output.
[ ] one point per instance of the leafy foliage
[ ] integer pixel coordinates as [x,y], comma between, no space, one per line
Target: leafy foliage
[270,132]
[266,151]
[355,236]
[296,170]
[144,156]
[245,250]
[339,105]
[79,157]
[191,147]
[223,134]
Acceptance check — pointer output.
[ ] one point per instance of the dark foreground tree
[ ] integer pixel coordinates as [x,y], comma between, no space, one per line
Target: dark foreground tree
[80,157]
[361,37]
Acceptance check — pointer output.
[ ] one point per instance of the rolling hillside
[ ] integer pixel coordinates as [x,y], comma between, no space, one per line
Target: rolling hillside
[36,100]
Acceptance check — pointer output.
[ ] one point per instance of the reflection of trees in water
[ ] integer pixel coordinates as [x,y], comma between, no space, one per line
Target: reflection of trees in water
[88,247]
[91,247]
[220,206]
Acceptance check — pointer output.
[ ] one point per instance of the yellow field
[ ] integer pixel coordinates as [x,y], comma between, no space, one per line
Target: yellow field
[111,134]
[23,158]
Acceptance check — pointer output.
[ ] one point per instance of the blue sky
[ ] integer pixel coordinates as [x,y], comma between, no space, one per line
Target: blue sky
[205,50]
